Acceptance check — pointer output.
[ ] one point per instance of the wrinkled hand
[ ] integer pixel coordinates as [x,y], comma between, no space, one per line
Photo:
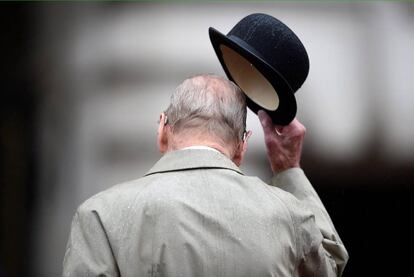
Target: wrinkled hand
[283,143]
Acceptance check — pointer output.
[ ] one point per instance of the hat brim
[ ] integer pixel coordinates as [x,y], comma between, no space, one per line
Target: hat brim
[286,111]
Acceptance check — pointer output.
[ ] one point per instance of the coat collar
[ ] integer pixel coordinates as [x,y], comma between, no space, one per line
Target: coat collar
[186,159]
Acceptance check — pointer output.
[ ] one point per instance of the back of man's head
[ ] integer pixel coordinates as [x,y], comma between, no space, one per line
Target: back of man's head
[208,106]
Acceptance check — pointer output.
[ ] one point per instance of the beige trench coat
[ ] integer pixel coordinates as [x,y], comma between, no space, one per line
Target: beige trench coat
[195,214]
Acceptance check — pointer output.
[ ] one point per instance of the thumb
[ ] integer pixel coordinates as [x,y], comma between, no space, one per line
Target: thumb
[266,122]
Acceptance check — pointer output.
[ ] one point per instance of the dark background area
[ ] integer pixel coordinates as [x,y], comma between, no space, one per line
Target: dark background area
[369,201]
[372,212]
[17,138]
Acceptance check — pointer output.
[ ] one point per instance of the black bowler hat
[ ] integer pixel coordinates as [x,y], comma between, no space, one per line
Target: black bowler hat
[267,61]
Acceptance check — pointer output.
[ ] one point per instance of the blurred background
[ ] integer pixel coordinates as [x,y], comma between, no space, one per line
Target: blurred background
[82,85]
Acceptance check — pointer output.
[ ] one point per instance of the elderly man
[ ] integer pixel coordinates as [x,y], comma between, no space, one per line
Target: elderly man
[196,214]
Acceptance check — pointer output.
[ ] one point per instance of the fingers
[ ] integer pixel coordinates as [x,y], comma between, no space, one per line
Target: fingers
[268,127]
[271,136]
[283,143]
[295,128]
[266,122]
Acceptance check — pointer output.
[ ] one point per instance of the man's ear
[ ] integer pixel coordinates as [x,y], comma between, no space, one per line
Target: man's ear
[241,149]
[162,134]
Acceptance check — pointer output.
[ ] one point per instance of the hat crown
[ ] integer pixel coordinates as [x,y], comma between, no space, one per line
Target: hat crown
[276,44]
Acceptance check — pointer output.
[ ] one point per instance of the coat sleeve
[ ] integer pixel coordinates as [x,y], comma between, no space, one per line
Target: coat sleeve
[321,251]
[88,252]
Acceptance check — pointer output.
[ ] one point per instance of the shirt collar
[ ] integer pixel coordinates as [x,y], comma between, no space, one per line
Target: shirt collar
[193,158]
[201,147]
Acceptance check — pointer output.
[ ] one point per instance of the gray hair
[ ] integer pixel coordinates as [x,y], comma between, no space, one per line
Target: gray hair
[209,104]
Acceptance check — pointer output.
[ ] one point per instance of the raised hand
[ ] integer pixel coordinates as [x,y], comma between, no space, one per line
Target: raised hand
[283,143]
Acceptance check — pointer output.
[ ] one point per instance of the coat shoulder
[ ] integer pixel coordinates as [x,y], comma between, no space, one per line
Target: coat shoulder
[115,196]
